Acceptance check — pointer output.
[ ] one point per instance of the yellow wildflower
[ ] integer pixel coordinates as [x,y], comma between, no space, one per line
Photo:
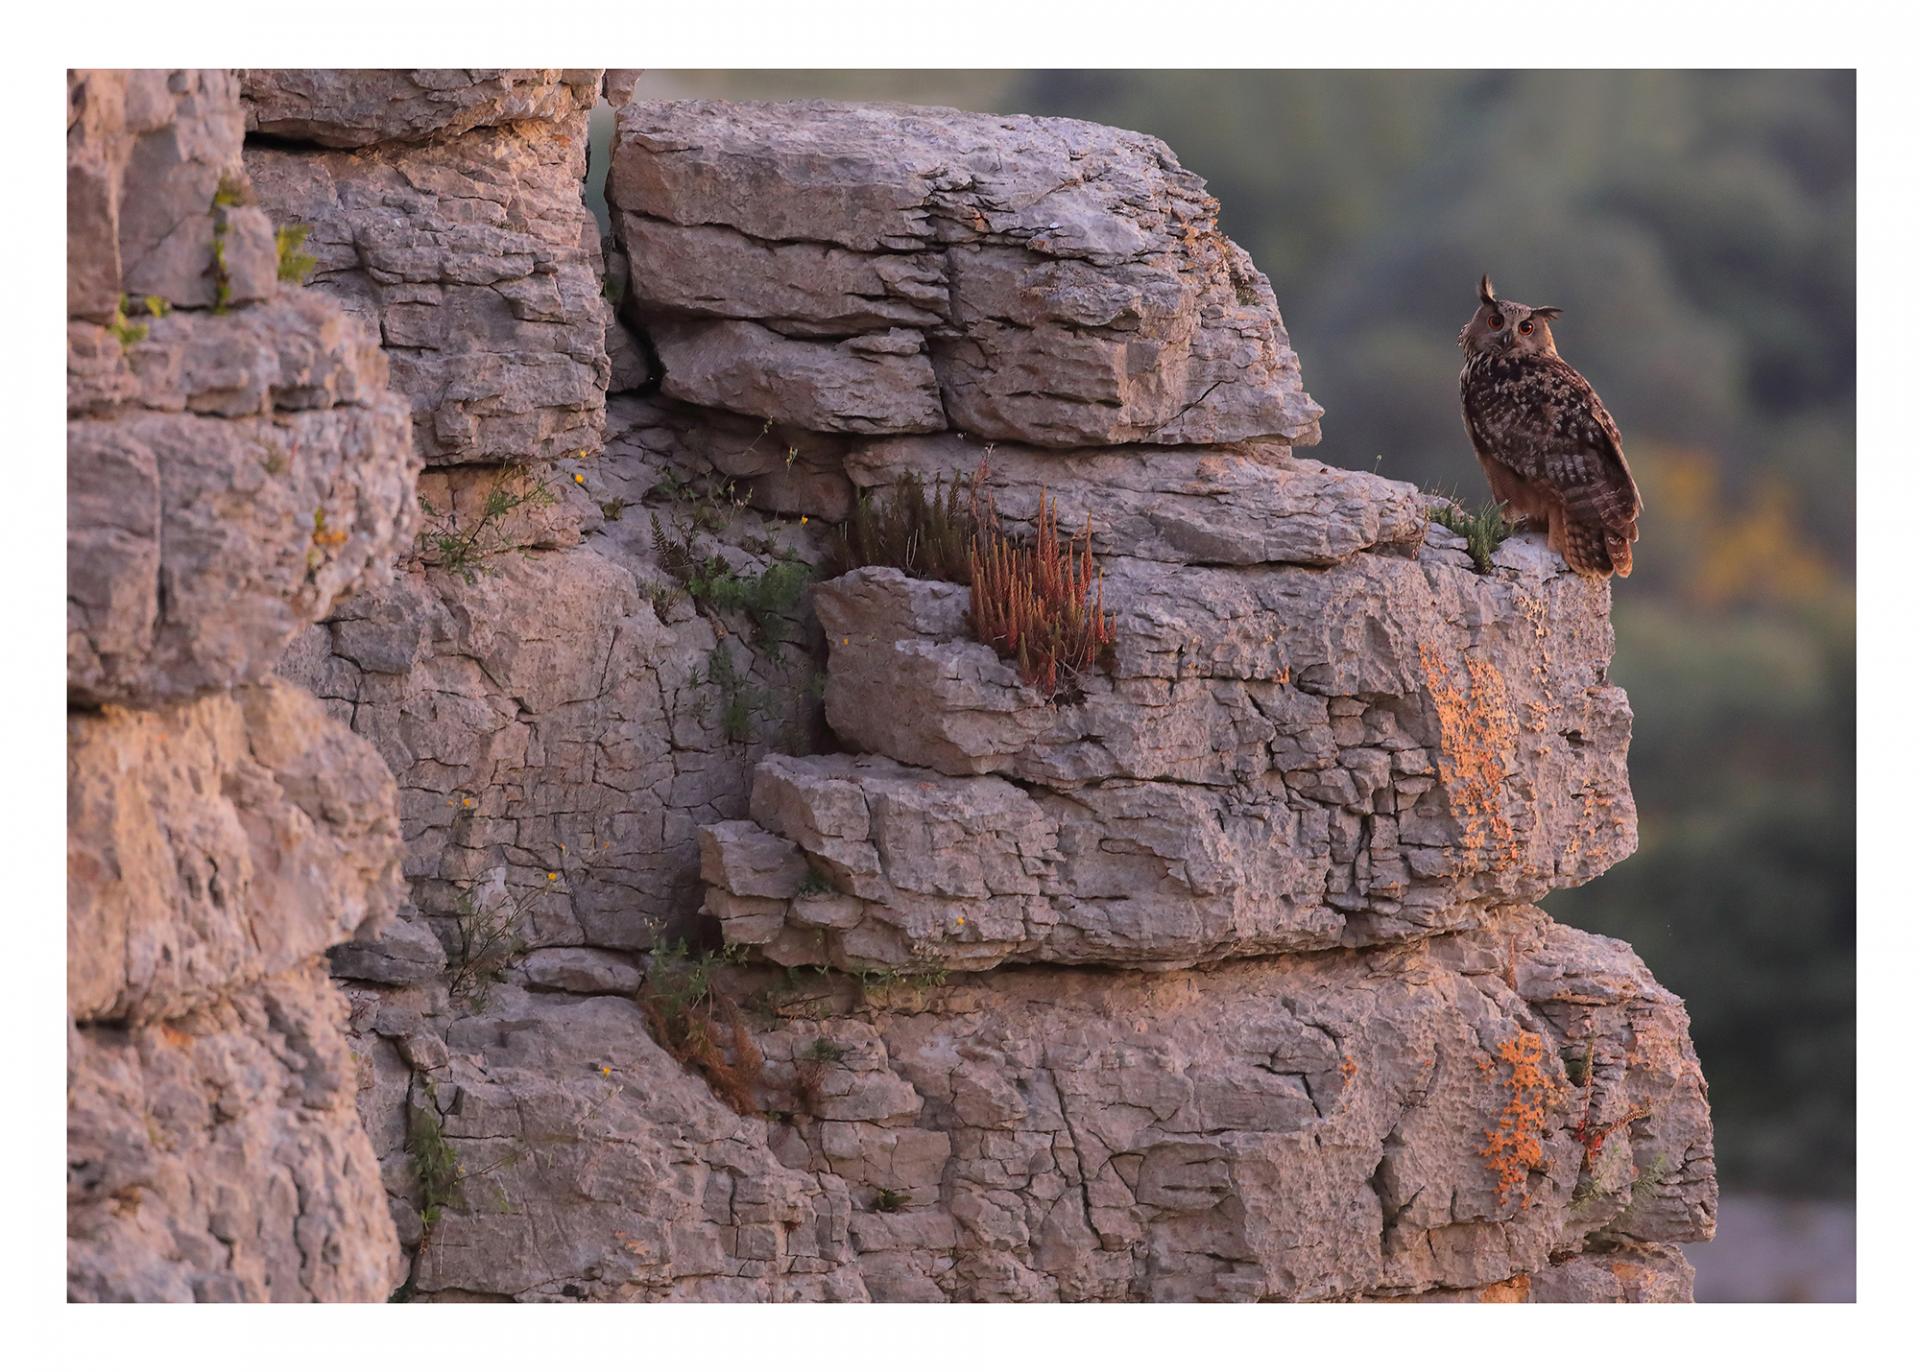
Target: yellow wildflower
[579,480]
[553,876]
[803,519]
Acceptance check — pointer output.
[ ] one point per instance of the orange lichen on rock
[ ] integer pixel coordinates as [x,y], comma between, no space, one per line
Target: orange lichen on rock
[1512,1291]
[1513,1145]
[1478,732]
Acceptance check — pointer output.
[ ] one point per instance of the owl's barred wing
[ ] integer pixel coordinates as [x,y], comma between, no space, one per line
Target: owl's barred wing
[1540,419]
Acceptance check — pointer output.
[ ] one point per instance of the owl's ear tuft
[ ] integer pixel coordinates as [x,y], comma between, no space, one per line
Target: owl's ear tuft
[1546,312]
[1486,289]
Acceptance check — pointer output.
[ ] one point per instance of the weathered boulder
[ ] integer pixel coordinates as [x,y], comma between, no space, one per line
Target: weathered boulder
[582,971]
[155,195]
[1280,758]
[1624,1274]
[1314,1127]
[216,843]
[360,107]
[595,1168]
[1241,505]
[881,269]
[476,260]
[236,476]
[406,952]
[217,1156]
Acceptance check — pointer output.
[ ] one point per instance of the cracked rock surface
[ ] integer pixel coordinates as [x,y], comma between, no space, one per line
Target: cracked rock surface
[235,465]
[1280,758]
[354,109]
[700,929]
[471,253]
[1300,1128]
[882,269]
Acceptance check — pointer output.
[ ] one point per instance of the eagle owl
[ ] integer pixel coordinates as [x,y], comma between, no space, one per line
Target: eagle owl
[1549,446]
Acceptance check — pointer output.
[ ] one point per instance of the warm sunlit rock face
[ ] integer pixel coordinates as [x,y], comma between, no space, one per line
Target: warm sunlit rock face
[236,463]
[704,928]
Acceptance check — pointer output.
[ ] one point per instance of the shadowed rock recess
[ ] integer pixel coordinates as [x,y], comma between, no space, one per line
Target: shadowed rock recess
[703,930]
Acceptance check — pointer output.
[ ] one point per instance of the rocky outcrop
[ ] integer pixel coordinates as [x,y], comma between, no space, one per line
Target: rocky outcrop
[1303,1127]
[217,1155]
[865,269]
[235,464]
[454,228]
[764,937]
[1280,758]
[216,843]
[228,478]
[356,109]
[561,703]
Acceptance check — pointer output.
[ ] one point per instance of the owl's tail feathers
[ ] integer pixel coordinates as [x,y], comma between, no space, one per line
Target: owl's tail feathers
[1620,546]
[1593,549]
[1621,551]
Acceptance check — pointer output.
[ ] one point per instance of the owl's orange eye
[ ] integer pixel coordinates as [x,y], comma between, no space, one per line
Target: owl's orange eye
[1526,326]
[1494,321]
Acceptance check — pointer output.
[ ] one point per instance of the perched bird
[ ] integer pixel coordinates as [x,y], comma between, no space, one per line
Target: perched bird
[1551,450]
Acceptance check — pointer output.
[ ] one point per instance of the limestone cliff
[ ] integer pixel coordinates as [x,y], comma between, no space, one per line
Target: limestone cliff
[235,464]
[765,937]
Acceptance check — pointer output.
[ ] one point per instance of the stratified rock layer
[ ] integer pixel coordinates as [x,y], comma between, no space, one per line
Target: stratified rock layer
[216,843]
[147,154]
[1291,1128]
[217,1156]
[228,478]
[354,109]
[1280,758]
[1313,1043]
[472,254]
[235,464]
[873,269]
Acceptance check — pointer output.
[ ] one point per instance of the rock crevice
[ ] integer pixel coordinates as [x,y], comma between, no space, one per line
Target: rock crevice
[702,929]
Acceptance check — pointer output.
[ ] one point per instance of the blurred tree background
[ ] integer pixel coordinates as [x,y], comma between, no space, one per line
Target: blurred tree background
[1698,230]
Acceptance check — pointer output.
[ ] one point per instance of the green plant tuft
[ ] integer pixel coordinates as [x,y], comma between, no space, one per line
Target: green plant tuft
[924,535]
[1484,529]
[436,1167]
[230,192]
[766,597]
[294,265]
[468,547]
[124,329]
[489,945]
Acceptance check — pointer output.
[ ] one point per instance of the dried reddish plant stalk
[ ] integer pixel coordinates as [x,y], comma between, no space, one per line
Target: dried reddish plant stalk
[1043,606]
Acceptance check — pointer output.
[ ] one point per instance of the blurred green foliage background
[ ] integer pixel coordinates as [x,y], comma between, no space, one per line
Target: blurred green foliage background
[1698,230]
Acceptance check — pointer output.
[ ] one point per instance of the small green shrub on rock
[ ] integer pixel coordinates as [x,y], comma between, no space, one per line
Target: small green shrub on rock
[924,535]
